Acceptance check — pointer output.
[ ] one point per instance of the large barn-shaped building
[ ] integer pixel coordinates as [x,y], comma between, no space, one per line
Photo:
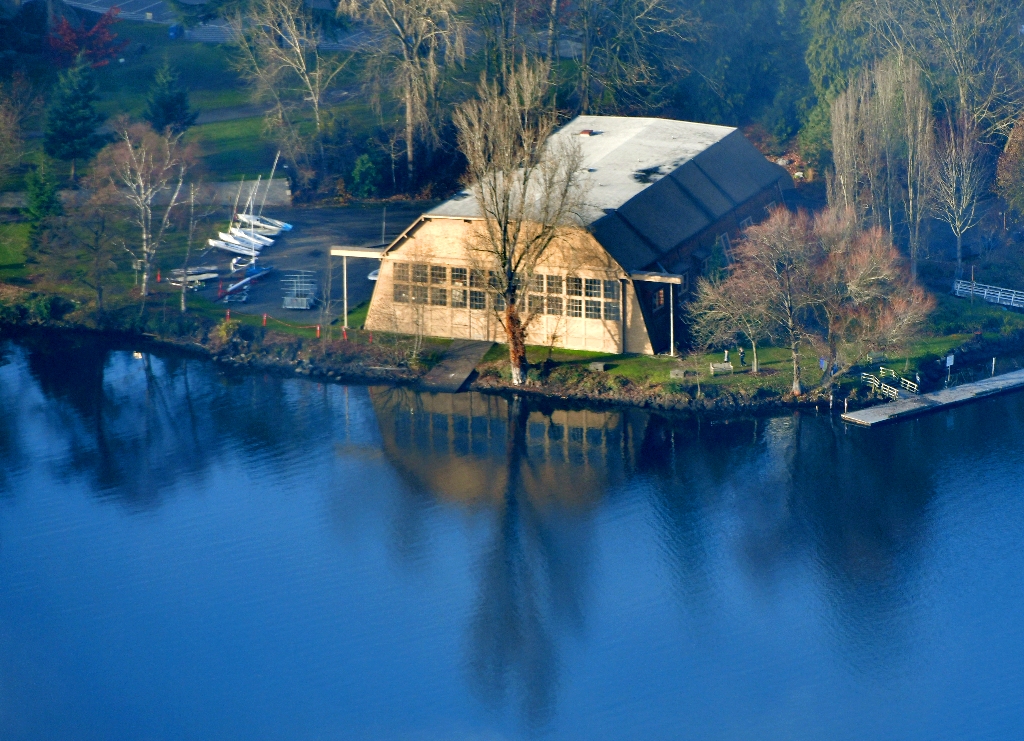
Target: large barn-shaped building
[661,195]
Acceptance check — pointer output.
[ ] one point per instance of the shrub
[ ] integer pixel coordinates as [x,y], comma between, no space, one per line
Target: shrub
[365,177]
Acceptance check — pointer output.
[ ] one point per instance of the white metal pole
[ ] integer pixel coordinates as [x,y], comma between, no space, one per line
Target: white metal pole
[672,319]
[344,280]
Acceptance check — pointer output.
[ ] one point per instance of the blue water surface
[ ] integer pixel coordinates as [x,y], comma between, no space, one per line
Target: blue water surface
[187,553]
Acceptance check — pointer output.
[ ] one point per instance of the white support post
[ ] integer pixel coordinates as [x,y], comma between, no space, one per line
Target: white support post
[672,319]
[344,280]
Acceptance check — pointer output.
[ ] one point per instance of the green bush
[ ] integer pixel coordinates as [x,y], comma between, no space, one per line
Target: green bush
[365,177]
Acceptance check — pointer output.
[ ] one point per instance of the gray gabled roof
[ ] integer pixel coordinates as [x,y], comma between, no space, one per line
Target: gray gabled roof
[653,183]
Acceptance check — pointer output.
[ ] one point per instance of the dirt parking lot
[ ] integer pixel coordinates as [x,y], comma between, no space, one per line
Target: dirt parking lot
[314,232]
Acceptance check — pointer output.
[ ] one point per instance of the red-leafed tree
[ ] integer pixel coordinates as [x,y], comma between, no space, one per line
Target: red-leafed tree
[99,44]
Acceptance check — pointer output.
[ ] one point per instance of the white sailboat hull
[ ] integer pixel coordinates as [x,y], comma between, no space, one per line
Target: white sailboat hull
[238,249]
[257,238]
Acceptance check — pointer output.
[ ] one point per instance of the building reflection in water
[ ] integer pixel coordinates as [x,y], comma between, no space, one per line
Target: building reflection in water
[538,474]
[764,494]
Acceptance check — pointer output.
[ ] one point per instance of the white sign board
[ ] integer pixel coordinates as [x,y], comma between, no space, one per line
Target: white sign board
[949,361]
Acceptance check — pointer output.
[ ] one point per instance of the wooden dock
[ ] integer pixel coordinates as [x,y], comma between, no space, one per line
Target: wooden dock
[936,400]
[456,366]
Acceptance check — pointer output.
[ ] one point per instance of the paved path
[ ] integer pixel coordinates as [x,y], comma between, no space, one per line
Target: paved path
[936,400]
[456,366]
[216,31]
[133,10]
[274,194]
[315,231]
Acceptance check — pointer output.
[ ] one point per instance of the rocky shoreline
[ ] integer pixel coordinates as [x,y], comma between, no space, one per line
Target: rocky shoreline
[391,360]
[354,362]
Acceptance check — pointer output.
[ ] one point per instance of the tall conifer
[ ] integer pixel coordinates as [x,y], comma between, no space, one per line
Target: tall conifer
[42,202]
[168,106]
[72,118]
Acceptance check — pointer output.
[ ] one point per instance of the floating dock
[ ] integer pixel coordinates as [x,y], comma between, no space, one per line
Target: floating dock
[936,400]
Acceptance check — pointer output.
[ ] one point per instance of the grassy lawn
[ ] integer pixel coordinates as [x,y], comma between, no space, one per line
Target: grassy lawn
[13,242]
[775,364]
[232,149]
[357,315]
[204,69]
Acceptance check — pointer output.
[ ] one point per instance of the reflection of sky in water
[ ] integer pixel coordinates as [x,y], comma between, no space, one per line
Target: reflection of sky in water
[189,554]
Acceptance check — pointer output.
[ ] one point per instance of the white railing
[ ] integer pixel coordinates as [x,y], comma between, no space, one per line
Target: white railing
[992,294]
[889,392]
[905,383]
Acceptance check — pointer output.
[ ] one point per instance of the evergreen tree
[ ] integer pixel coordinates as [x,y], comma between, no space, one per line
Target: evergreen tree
[365,177]
[72,119]
[169,107]
[838,45]
[42,203]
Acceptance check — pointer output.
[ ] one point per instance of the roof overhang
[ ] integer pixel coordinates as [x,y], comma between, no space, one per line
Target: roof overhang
[375,253]
[658,277]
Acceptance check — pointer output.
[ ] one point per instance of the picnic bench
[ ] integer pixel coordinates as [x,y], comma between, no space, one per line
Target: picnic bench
[721,368]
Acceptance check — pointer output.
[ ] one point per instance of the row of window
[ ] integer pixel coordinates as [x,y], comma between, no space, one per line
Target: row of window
[460,298]
[422,273]
[421,283]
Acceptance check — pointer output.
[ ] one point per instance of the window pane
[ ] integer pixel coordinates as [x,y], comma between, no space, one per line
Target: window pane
[537,283]
[402,272]
[536,303]
[593,309]
[593,288]
[419,294]
[476,279]
[611,311]
[438,274]
[459,276]
[419,273]
[554,284]
[554,305]
[574,286]
[574,307]
[439,296]
[459,298]
[477,300]
[401,293]
[498,300]
[611,289]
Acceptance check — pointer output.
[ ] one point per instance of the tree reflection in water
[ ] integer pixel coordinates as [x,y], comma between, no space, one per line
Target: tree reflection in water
[538,474]
[136,428]
[740,505]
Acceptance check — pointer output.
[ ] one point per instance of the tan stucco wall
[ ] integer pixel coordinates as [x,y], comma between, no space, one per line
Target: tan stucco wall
[450,242]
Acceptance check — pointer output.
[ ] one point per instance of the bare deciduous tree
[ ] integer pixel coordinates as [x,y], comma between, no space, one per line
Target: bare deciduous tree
[195,219]
[779,257]
[960,176]
[919,153]
[864,298]
[1010,170]
[82,243]
[527,187]
[279,54]
[147,171]
[722,310]
[418,36]
[971,51]
[628,50]
[883,145]
[10,137]
[827,282]
[18,101]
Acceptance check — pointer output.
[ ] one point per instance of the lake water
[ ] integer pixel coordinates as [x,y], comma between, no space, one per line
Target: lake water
[189,554]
